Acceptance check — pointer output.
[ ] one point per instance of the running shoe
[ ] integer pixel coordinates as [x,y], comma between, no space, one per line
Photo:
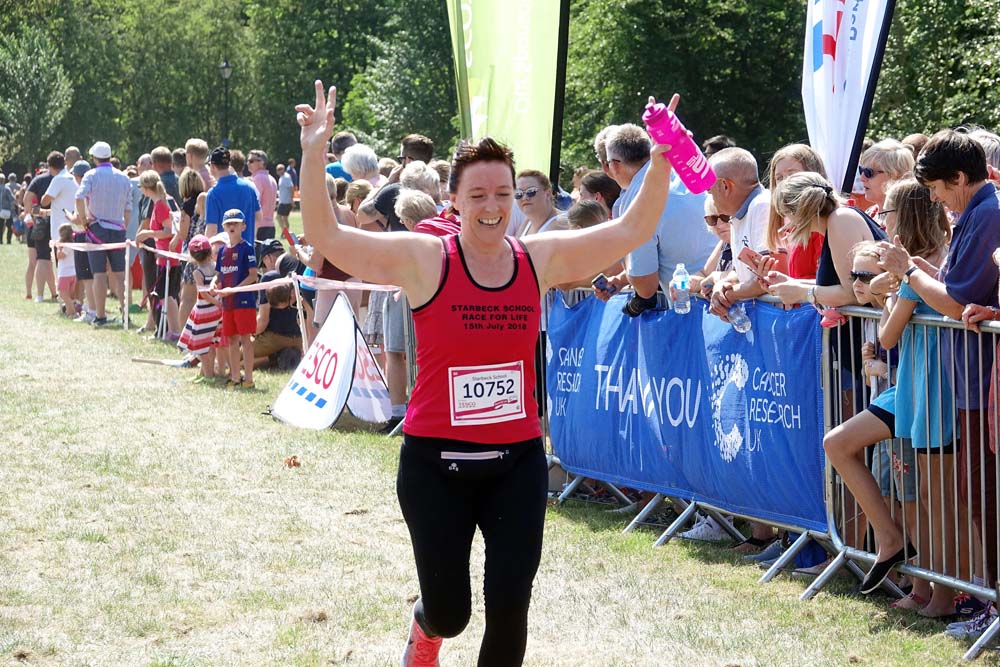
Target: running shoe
[771,553]
[975,626]
[39,299]
[421,650]
[705,530]
[968,605]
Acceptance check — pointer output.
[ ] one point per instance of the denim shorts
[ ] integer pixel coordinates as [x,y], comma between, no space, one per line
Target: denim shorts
[894,463]
[99,259]
[393,314]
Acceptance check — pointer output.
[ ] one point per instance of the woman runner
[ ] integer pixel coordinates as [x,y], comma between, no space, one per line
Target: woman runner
[472,453]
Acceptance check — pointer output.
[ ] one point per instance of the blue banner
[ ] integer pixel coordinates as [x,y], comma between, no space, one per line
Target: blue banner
[687,406]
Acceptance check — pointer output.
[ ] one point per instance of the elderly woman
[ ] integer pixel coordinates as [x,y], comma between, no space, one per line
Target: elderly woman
[883,163]
[953,166]
[475,459]
[361,163]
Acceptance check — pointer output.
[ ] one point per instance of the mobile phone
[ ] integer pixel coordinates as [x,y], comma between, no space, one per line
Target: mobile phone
[752,259]
[601,283]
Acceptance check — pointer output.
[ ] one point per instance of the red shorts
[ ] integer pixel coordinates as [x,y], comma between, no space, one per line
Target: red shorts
[239,322]
[67,283]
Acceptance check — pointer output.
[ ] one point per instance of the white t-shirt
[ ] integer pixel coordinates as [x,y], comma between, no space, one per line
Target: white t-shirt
[67,265]
[750,231]
[62,189]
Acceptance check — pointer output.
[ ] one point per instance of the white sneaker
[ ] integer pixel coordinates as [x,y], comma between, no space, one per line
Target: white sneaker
[975,626]
[705,530]
[39,299]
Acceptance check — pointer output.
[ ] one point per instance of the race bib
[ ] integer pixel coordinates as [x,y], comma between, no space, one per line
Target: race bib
[486,394]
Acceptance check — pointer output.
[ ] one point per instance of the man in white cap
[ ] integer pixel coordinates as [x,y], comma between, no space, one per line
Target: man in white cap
[103,206]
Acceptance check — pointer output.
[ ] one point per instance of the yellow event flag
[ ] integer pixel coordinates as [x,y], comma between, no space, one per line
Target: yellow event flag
[506,55]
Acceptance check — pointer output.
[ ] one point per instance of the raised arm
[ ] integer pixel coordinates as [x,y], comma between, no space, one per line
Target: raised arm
[561,257]
[412,261]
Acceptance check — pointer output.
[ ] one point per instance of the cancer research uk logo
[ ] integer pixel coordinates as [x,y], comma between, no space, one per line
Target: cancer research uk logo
[729,404]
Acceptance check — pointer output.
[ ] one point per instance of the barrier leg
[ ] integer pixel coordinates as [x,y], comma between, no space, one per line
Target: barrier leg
[725,524]
[983,640]
[785,558]
[126,319]
[678,523]
[616,492]
[824,576]
[653,503]
[398,429]
[568,491]
[551,460]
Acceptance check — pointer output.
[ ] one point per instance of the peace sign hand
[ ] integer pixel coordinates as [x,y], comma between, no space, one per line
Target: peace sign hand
[317,122]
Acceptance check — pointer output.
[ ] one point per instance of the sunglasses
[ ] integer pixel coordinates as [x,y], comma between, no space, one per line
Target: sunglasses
[713,220]
[868,172]
[529,193]
[864,276]
[882,215]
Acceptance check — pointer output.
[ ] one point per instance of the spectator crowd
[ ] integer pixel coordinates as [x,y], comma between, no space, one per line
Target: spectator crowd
[915,236]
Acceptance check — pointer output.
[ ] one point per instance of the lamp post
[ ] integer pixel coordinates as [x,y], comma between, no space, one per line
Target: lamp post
[225,71]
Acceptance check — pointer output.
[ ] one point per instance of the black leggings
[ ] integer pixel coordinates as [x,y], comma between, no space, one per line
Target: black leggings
[443,501]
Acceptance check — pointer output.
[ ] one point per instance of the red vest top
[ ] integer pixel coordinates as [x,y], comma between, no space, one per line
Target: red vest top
[476,355]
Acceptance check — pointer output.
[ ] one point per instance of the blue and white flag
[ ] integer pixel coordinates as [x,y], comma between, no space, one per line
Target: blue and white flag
[845,40]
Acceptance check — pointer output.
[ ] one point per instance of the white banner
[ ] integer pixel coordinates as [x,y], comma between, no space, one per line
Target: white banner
[843,39]
[337,371]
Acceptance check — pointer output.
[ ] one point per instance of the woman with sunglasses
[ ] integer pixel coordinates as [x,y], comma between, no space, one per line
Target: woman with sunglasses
[470,459]
[534,197]
[879,166]
[922,414]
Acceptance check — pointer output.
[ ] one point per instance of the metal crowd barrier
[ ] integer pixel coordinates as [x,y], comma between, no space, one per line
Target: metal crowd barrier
[953,529]
[955,549]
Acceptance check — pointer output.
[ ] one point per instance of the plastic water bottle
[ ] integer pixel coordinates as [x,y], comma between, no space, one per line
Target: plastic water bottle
[687,159]
[738,318]
[681,283]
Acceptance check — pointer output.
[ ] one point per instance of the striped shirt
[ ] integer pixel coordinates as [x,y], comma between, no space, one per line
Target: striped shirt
[108,195]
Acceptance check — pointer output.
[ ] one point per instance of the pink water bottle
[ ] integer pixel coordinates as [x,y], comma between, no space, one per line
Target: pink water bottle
[687,159]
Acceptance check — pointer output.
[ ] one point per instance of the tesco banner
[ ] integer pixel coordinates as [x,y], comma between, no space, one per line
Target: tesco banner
[687,406]
[845,40]
[337,372]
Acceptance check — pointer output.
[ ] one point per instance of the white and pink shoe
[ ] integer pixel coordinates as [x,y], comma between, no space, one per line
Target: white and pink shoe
[421,650]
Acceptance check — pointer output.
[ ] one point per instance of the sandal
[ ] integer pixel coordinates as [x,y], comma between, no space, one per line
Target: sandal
[919,601]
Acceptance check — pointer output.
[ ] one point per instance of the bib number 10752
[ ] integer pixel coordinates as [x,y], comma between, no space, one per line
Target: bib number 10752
[486,394]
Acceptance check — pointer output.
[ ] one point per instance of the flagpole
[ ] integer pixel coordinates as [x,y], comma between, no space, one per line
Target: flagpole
[560,83]
[461,69]
[859,135]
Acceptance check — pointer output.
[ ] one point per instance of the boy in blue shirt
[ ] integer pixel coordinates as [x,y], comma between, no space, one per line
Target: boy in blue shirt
[236,266]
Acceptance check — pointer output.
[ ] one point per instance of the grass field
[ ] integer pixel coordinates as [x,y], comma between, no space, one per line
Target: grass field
[147,521]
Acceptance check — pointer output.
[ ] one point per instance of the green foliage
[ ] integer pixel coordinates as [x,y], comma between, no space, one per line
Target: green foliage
[728,60]
[141,73]
[942,68]
[34,94]
[411,86]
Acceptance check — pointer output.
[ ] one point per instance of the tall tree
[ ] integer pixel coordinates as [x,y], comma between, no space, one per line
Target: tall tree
[34,94]
[289,46]
[410,87]
[728,60]
[941,68]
